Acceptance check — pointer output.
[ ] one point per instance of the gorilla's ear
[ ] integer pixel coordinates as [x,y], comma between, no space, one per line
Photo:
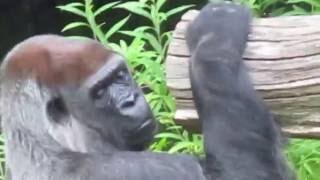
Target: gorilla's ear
[56,110]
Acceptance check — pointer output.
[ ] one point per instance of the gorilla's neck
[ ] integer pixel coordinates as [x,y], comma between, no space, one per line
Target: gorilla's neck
[81,138]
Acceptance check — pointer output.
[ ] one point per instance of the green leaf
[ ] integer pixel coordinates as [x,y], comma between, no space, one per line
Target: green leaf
[154,13]
[75,4]
[123,45]
[266,4]
[79,37]
[177,10]
[169,102]
[138,32]
[130,5]
[105,8]
[101,24]
[278,11]
[73,10]
[166,39]
[74,25]
[307,168]
[180,146]
[159,4]
[88,1]
[116,27]
[315,3]
[135,8]
[169,135]
[153,42]
[296,11]
[162,17]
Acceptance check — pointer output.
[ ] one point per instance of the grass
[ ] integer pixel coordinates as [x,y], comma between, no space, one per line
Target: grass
[304,155]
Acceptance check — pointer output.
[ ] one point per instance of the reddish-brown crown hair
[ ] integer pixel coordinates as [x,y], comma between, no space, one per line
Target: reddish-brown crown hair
[55,60]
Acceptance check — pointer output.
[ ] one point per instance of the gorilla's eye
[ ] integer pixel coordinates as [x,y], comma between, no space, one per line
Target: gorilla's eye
[97,93]
[56,109]
[121,75]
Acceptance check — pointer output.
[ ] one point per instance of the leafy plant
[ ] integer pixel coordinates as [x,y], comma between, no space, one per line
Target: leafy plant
[145,54]
[262,8]
[305,157]
[89,14]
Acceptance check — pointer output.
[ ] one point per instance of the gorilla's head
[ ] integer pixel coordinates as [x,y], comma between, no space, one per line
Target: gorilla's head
[83,94]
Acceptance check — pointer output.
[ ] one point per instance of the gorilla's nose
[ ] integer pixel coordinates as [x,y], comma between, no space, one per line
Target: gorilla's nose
[136,107]
[129,102]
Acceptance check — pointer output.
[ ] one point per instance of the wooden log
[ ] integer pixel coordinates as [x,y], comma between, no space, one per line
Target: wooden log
[283,59]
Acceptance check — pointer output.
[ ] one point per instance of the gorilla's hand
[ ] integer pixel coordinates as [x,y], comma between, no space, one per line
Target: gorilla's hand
[222,22]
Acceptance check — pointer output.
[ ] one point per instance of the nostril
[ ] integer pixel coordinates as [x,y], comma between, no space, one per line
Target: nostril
[129,102]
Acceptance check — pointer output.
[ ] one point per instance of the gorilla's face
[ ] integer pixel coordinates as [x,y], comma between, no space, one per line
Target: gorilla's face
[108,102]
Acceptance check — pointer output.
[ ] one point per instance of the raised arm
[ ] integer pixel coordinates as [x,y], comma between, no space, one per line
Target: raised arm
[241,138]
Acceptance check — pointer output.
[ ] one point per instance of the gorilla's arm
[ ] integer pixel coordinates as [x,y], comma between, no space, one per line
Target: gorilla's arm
[241,138]
[134,166]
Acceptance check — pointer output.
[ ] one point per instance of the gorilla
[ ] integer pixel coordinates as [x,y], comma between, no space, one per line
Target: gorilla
[71,110]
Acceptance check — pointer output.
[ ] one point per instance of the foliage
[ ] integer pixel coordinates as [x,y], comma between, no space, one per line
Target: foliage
[145,54]
[263,8]
[305,158]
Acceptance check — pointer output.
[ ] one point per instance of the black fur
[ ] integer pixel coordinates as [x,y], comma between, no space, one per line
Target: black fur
[241,138]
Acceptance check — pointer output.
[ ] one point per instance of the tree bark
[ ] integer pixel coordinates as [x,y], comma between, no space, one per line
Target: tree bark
[283,59]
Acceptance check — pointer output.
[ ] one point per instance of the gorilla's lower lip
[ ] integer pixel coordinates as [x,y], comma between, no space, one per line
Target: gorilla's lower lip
[148,127]
[142,136]
[145,124]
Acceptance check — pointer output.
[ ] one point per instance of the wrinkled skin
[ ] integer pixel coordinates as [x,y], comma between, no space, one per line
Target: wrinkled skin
[72,111]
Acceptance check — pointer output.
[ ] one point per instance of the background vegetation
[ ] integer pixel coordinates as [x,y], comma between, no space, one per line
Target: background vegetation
[145,46]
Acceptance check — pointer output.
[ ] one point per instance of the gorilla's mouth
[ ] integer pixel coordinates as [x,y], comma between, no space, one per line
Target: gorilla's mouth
[148,124]
[142,136]
[145,130]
